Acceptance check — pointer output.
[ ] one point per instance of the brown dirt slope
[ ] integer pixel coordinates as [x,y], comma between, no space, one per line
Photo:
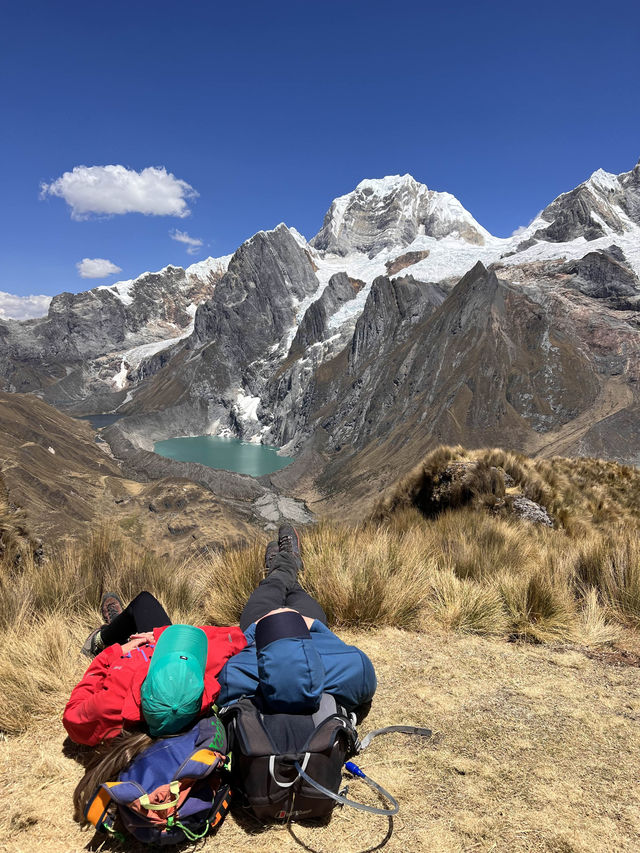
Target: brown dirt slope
[535,749]
[55,471]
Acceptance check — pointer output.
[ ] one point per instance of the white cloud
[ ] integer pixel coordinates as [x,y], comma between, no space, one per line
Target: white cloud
[96,268]
[109,190]
[194,244]
[522,228]
[22,307]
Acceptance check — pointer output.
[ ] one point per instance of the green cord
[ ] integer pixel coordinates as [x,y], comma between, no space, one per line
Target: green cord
[192,836]
[114,833]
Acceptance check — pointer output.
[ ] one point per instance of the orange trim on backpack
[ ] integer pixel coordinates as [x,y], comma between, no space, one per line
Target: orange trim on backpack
[97,808]
[221,811]
[206,756]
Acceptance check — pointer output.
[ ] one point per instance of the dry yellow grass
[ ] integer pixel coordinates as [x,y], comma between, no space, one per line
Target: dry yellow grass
[535,749]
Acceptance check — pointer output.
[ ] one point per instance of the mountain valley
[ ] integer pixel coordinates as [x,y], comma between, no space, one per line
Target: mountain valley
[401,325]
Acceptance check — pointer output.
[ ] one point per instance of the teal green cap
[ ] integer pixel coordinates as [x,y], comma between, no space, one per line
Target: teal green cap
[171,694]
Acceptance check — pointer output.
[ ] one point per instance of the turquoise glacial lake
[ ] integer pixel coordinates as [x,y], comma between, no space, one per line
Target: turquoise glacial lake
[230,454]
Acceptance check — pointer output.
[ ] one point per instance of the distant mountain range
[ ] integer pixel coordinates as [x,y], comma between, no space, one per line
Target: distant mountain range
[403,323]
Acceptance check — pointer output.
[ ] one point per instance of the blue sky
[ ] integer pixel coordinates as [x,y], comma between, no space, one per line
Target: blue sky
[269,110]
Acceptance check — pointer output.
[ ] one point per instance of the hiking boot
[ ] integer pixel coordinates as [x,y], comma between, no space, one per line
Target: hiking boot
[289,542]
[94,643]
[110,607]
[272,550]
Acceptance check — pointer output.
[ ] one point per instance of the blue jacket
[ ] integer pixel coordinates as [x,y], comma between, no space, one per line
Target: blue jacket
[295,670]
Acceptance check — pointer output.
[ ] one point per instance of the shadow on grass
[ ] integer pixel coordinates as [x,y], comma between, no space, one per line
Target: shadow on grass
[78,752]
[252,826]
[305,846]
[248,821]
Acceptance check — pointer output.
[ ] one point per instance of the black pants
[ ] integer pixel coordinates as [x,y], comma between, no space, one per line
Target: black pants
[143,614]
[280,589]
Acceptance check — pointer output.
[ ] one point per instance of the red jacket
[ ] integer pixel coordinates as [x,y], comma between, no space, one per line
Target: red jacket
[108,697]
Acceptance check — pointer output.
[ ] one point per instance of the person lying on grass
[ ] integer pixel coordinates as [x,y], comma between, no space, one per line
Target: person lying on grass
[147,673]
[291,657]
[283,652]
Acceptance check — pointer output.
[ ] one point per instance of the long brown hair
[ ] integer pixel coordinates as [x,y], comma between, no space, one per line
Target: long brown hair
[109,759]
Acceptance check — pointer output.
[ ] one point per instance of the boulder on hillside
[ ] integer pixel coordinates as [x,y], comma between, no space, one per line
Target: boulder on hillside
[449,480]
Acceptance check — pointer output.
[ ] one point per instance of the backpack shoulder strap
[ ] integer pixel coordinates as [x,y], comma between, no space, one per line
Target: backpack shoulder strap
[330,720]
[245,726]
[325,734]
[221,805]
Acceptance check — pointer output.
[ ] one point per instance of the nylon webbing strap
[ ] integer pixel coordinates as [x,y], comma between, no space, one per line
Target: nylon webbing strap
[406,730]
[174,789]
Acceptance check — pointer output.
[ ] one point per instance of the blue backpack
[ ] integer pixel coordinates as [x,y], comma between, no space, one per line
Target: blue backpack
[171,792]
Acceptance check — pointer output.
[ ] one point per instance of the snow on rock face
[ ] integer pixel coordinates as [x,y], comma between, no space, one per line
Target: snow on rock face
[628,242]
[247,406]
[180,279]
[393,211]
[120,379]
[209,267]
[604,181]
[603,204]
[121,289]
[133,358]
[603,210]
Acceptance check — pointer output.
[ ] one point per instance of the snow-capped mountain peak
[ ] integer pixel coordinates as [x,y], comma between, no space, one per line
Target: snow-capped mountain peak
[385,186]
[603,181]
[393,211]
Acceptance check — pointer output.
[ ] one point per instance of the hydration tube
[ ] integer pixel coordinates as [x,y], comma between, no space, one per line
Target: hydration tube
[355,771]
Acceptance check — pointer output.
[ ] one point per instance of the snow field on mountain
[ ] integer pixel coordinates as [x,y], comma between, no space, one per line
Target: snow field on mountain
[448,258]
[629,242]
[122,289]
[247,406]
[202,269]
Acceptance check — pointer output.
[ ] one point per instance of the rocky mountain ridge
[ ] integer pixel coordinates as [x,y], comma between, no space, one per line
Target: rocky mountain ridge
[312,345]
[83,345]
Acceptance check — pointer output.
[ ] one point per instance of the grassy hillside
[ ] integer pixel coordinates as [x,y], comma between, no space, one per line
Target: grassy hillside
[535,739]
[535,749]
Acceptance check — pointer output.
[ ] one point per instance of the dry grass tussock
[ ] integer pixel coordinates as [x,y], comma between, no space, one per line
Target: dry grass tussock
[580,494]
[359,578]
[16,540]
[579,580]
